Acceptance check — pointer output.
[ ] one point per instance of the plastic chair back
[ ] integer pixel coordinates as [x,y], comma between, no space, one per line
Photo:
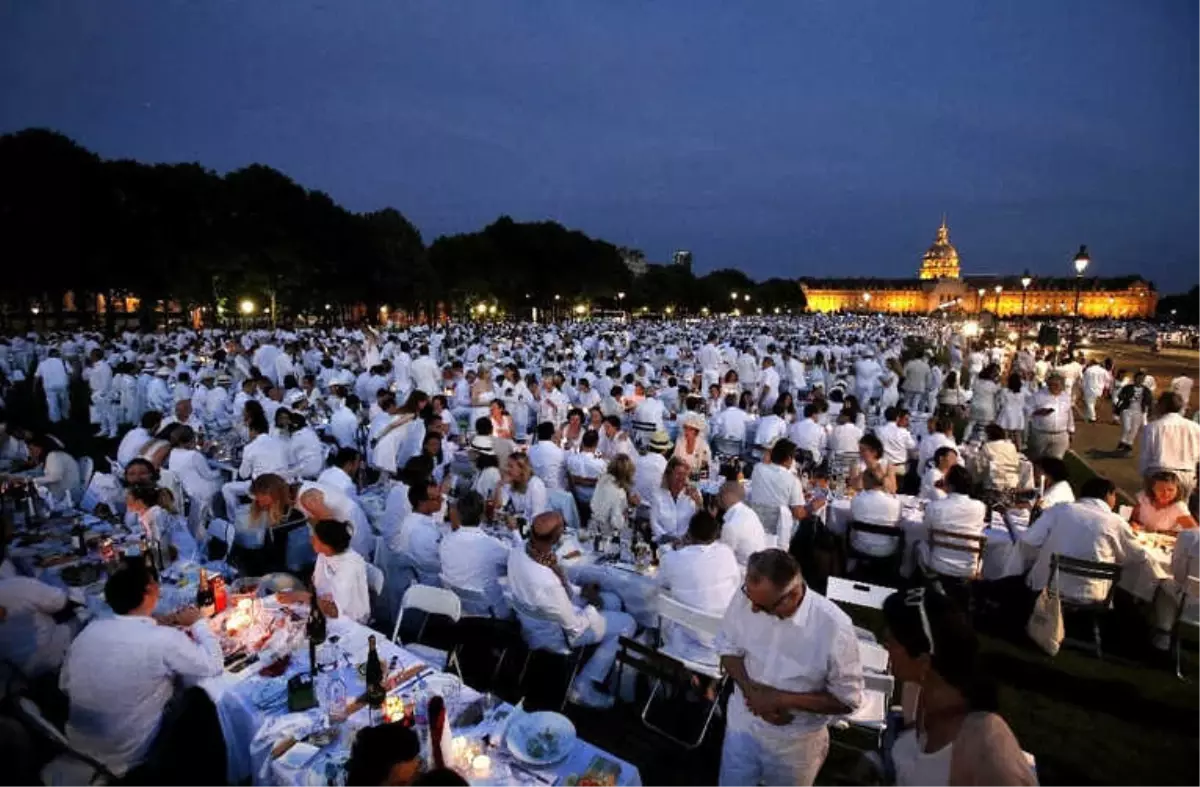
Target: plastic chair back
[86,467]
[695,620]
[859,594]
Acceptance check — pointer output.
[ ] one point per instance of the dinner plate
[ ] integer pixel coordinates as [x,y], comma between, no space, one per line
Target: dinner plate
[541,738]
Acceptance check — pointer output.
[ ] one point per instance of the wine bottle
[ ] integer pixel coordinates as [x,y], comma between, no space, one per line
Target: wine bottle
[148,559]
[79,538]
[205,600]
[374,675]
[315,628]
[437,728]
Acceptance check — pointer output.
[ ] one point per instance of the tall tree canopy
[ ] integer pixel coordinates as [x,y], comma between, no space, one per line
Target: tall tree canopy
[71,222]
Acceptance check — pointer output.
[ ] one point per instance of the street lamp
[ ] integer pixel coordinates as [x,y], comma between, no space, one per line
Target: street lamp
[979,302]
[1081,263]
[866,300]
[747,296]
[247,306]
[999,288]
[1026,280]
[733,295]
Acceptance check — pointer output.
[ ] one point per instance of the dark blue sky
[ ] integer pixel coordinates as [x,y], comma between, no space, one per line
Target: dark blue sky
[792,138]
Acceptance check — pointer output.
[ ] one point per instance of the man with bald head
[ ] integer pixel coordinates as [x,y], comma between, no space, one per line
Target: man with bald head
[741,529]
[549,606]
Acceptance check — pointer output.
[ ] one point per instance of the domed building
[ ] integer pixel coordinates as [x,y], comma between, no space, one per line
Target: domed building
[941,261]
[939,286]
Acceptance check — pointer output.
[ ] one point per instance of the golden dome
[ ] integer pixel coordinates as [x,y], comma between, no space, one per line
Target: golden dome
[941,261]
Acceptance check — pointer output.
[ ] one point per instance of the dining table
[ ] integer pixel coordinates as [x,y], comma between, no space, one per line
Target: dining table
[273,742]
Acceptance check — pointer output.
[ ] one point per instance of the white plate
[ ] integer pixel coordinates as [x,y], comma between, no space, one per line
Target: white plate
[532,729]
[299,755]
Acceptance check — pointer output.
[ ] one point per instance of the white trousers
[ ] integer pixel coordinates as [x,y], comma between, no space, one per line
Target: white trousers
[1047,444]
[1132,422]
[1089,405]
[58,404]
[231,492]
[616,625]
[755,752]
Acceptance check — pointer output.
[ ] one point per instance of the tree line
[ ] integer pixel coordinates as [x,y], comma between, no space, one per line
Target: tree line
[182,234]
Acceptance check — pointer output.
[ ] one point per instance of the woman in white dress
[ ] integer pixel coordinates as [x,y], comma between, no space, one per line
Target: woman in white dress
[985,400]
[482,395]
[1012,410]
[200,482]
[613,497]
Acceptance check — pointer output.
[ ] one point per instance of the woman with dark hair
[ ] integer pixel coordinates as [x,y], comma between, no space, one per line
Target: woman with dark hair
[870,453]
[852,409]
[1003,459]
[985,400]
[339,577]
[952,733]
[572,431]
[59,470]
[1051,474]
[1160,506]
[951,397]
[157,523]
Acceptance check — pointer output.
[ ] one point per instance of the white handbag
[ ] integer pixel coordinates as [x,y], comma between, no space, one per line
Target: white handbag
[1045,626]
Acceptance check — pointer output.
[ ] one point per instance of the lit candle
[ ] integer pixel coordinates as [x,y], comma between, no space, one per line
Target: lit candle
[482,766]
[458,745]
[393,708]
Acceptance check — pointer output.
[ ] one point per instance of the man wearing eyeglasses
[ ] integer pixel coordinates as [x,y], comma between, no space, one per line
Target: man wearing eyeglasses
[793,657]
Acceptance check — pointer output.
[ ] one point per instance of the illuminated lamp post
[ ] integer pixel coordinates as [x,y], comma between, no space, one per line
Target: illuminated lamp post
[1081,263]
[1026,280]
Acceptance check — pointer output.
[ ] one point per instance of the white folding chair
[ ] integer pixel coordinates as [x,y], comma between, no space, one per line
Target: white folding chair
[222,531]
[871,714]
[857,594]
[430,601]
[70,766]
[704,626]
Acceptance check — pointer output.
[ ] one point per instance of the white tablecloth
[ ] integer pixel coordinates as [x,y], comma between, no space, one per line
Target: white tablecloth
[251,733]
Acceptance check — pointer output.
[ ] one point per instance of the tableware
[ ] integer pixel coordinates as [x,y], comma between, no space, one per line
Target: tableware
[269,693]
[298,755]
[541,738]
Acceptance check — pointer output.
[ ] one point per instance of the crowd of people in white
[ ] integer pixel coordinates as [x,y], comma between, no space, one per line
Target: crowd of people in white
[723,446]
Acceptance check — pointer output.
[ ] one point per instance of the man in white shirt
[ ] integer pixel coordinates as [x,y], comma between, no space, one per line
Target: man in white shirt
[306,454]
[539,584]
[548,460]
[673,503]
[99,378]
[473,560]
[1182,385]
[343,421]
[341,473]
[418,536]
[793,658]
[424,372]
[773,485]
[916,383]
[648,415]
[53,375]
[183,415]
[874,506]
[959,515]
[898,442]
[1051,420]
[1095,379]
[263,454]
[30,637]
[729,427]
[1087,530]
[809,435]
[704,575]
[710,362]
[614,441]
[941,435]
[135,439]
[741,529]
[1171,443]
[650,466]
[584,468]
[120,672]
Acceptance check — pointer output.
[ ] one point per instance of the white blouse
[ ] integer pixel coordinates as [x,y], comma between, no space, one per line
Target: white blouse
[343,577]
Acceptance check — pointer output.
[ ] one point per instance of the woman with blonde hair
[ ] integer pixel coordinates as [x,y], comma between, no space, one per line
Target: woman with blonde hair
[483,393]
[262,540]
[613,496]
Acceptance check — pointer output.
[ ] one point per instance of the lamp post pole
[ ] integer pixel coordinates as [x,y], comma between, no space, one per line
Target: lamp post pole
[1081,263]
[1026,280]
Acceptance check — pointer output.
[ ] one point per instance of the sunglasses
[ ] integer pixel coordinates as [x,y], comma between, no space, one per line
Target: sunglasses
[774,605]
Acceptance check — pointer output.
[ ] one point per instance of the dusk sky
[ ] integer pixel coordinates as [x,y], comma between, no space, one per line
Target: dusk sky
[798,138]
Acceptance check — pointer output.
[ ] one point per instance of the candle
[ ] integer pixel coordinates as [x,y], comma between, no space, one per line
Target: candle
[482,766]
[458,745]
[393,708]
